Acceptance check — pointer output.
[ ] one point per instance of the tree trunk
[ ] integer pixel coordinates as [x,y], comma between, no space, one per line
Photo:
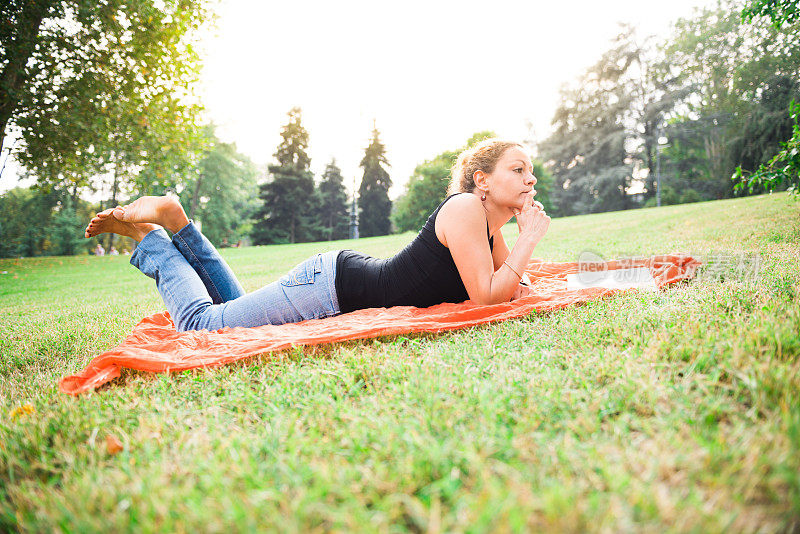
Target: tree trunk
[196,196]
[650,184]
[625,198]
[714,153]
[18,51]
[114,187]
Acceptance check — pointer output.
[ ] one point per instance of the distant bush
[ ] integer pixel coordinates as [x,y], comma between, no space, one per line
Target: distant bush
[35,222]
[689,196]
[671,196]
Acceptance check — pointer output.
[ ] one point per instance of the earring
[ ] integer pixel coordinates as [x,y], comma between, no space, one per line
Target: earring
[483,196]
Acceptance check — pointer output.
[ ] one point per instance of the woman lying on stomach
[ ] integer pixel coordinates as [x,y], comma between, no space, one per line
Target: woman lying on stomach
[459,254]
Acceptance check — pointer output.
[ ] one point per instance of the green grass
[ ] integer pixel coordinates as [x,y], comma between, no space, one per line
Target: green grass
[675,411]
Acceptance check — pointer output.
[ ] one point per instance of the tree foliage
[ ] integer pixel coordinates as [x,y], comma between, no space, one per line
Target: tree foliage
[544,186]
[783,169]
[589,153]
[36,222]
[426,188]
[767,124]
[24,219]
[288,196]
[778,11]
[66,230]
[334,216]
[101,89]
[742,78]
[222,194]
[717,90]
[374,206]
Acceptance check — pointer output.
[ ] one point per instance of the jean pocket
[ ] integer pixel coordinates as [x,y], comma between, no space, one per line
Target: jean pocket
[303,273]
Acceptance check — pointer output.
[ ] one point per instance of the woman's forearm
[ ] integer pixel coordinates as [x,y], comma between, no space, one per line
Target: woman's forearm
[506,278]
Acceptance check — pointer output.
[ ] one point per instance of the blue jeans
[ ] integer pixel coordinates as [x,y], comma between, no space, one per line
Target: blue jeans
[201,292]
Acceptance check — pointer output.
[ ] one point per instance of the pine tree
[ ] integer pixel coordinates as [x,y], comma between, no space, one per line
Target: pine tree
[288,196]
[374,206]
[334,215]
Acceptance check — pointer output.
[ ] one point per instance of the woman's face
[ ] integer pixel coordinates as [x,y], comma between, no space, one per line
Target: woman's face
[512,179]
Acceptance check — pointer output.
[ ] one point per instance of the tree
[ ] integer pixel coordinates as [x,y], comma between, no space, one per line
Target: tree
[221,195]
[713,89]
[427,187]
[286,215]
[784,167]
[610,121]
[334,215]
[591,153]
[738,72]
[544,186]
[34,222]
[66,230]
[766,124]
[685,165]
[24,220]
[100,88]
[374,206]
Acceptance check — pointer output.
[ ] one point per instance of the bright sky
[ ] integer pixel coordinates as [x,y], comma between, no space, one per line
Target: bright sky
[430,73]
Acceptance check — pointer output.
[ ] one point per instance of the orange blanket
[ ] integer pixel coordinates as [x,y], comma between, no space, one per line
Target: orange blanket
[155,345]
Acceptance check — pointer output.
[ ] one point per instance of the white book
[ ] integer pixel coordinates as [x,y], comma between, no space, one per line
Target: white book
[638,277]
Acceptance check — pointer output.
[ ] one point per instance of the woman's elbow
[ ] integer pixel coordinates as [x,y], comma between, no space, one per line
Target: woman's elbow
[486,300]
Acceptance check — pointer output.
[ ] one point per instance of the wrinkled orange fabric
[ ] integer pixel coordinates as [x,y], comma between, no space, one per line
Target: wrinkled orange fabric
[155,345]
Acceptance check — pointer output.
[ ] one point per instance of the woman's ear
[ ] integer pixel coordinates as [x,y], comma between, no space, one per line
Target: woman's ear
[481,180]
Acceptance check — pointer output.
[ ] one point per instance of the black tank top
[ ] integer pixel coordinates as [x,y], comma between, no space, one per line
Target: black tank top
[421,275]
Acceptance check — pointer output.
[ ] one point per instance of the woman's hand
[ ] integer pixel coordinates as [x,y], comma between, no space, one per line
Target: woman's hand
[532,221]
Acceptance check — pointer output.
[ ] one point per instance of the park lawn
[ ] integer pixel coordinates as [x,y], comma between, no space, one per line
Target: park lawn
[669,411]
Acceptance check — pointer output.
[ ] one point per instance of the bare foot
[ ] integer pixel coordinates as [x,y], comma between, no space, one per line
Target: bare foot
[165,211]
[103,223]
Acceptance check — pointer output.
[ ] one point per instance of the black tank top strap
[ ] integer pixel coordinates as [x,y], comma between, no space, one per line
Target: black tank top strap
[431,225]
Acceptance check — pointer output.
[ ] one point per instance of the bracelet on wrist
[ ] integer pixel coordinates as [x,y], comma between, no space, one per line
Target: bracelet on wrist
[512,269]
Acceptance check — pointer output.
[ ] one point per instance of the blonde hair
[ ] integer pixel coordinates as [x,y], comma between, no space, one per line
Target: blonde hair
[481,157]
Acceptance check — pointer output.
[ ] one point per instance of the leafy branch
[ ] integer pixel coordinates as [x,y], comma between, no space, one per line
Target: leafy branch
[779,11]
[783,168]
